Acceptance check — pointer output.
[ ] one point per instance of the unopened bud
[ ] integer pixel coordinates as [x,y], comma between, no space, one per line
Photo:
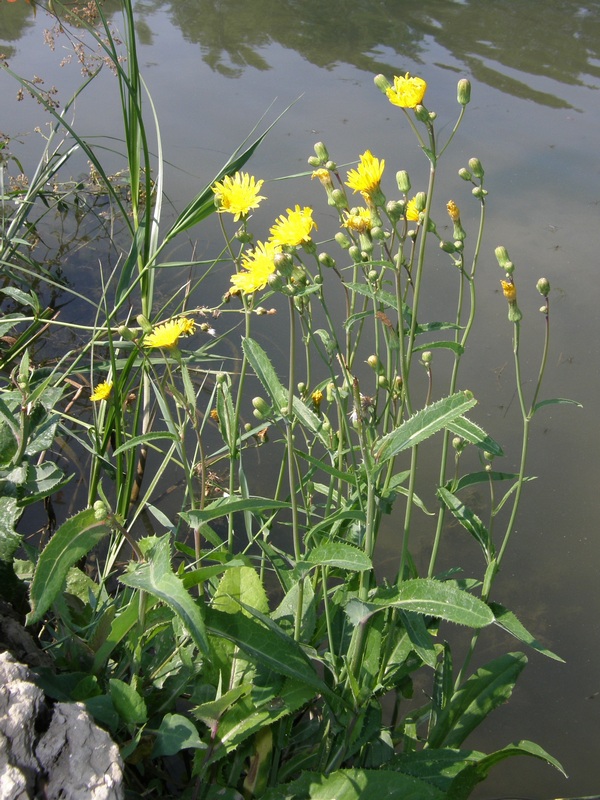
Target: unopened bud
[325,260]
[283,263]
[373,362]
[342,240]
[275,282]
[394,210]
[448,247]
[339,199]
[543,287]
[321,152]
[331,166]
[261,408]
[422,114]
[464,174]
[144,323]
[420,201]
[458,443]
[403,181]
[502,256]
[382,83]
[478,192]
[125,333]
[355,254]
[476,168]
[427,357]
[463,91]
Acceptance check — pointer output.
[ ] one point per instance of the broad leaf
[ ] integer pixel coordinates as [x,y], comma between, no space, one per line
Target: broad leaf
[156,577]
[341,555]
[176,733]
[129,703]
[73,540]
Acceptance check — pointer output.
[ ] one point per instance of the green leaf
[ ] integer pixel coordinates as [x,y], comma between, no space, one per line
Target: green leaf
[473,434]
[435,599]
[469,520]
[507,620]
[128,703]
[240,584]
[279,652]
[424,424]
[265,373]
[156,577]
[9,538]
[356,784]
[489,687]
[556,401]
[144,439]
[176,733]
[73,540]
[341,555]
[480,477]
[229,505]
[448,344]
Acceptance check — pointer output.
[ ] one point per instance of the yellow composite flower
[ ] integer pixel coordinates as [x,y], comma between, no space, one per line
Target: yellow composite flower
[412,212]
[102,391]
[509,290]
[453,211]
[407,92]
[238,195]
[358,220]
[257,266]
[294,229]
[367,176]
[167,334]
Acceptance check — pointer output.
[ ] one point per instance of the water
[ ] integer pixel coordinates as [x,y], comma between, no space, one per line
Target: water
[213,68]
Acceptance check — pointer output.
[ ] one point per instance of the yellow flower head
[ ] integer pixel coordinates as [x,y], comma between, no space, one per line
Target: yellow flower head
[257,267]
[453,211]
[102,391]
[359,221]
[412,212]
[407,92]
[294,229]
[324,176]
[167,334]
[367,176]
[238,194]
[317,398]
[509,290]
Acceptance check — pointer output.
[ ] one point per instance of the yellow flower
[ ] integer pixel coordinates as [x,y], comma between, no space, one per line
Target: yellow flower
[257,267]
[407,92]
[317,398]
[367,176]
[412,212]
[238,194]
[453,211]
[360,221]
[294,229]
[509,290]
[167,334]
[102,391]
[324,176]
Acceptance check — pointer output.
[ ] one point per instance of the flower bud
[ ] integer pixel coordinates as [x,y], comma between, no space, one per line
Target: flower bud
[382,83]
[427,357]
[464,174]
[325,260]
[144,323]
[221,378]
[372,276]
[422,114]
[314,161]
[478,192]
[420,201]
[283,263]
[453,210]
[458,443]
[331,166]
[125,333]
[100,510]
[243,236]
[463,91]
[476,168]
[448,247]
[321,152]
[374,362]
[378,233]
[382,382]
[339,199]
[543,287]
[403,181]
[262,410]
[355,254]
[275,282]
[394,210]
[342,240]
[502,257]
[301,388]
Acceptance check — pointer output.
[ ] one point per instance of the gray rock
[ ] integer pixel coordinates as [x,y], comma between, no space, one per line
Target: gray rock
[56,752]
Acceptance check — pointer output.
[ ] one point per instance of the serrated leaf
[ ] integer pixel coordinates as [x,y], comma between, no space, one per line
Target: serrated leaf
[265,372]
[469,521]
[73,540]
[230,505]
[473,434]
[240,584]
[435,599]
[423,424]
[507,620]
[489,687]
[340,555]
[156,577]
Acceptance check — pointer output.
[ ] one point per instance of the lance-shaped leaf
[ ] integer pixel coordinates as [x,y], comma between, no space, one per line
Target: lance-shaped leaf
[73,540]
[433,598]
[423,424]
[230,505]
[340,555]
[489,687]
[507,620]
[473,434]
[469,520]
[156,577]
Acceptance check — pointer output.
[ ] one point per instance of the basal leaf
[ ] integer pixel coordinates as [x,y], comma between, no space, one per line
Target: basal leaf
[73,540]
[129,703]
[176,733]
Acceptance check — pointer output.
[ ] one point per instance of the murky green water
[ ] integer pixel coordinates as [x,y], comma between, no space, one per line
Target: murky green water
[214,68]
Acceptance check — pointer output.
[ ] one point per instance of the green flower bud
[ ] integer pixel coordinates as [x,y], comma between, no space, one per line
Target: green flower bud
[262,410]
[325,260]
[245,237]
[403,181]
[301,388]
[458,443]
[478,192]
[427,357]
[502,257]
[382,83]
[275,282]
[100,510]
[284,264]
[420,201]
[543,287]
[355,254]
[382,382]
[342,240]
[476,168]
[448,247]
[321,152]
[125,333]
[144,323]
[247,427]
[331,166]
[314,162]
[464,174]
[221,378]
[422,114]
[339,199]
[372,275]
[463,91]
[374,362]
[394,210]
